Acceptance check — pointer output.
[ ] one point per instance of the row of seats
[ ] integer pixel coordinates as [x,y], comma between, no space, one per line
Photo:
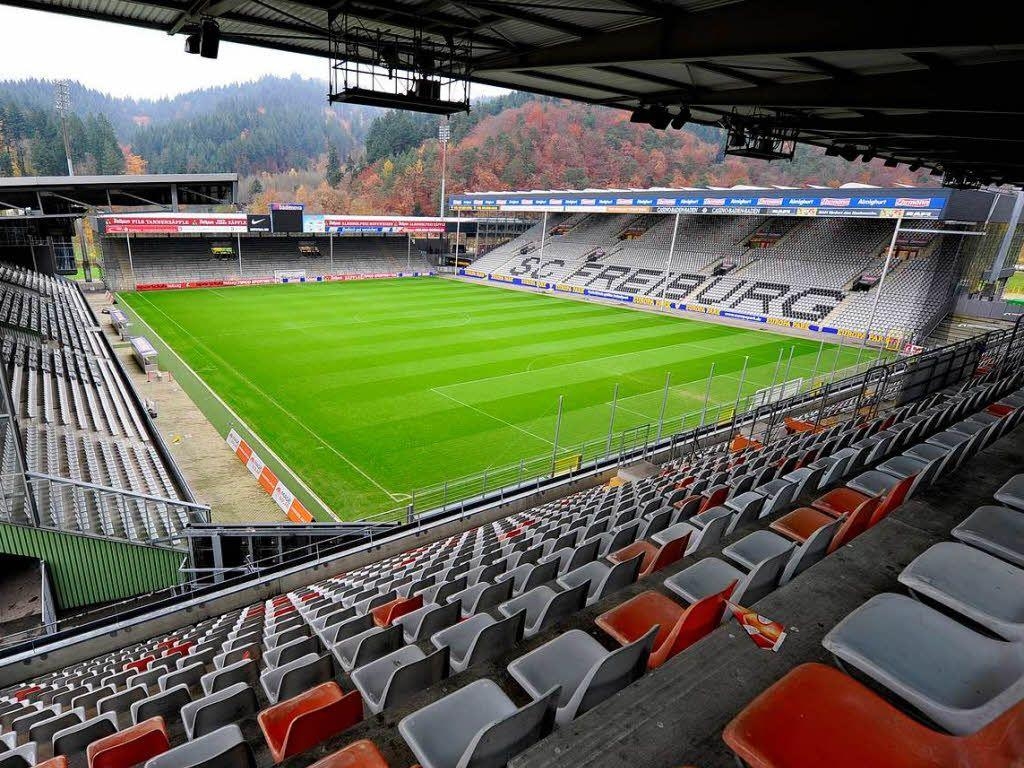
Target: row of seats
[950,651]
[310,664]
[78,420]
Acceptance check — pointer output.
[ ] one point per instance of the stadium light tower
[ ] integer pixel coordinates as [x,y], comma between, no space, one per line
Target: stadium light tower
[62,102]
[444,133]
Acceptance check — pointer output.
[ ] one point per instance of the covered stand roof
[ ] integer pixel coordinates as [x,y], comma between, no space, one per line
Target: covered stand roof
[892,80]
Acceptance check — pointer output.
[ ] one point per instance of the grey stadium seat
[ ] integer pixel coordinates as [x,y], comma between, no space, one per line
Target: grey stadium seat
[476,727]
[166,704]
[959,678]
[244,671]
[75,738]
[999,530]
[603,579]
[579,666]
[396,677]
[977,585]
[22,757]
[1012,492]
[479,638]
[366,646]
[424,622]
[226,706]
[763,544]
[224,748]
[711,575]
[296,676]
[544,606]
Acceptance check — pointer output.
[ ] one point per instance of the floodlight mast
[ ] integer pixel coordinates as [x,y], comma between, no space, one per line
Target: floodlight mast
[444,134]
[62,102]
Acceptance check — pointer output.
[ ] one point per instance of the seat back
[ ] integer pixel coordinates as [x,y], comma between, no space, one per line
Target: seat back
[496,744]
[854,524]
[618,576]
[333,634]
[713,532]
[583,554]
[699,619]
[658,521]
[561,605]
[212,712]
[223,748]
[539,574]
[435,620]
[305,720]
[686,508]
[762,579]
[669,553]
[129,747]
[383,615]
[303,673]
[75,739]
[891,500]
[715,497]
[410,679]
[811,551]
[610,675]
[497,638]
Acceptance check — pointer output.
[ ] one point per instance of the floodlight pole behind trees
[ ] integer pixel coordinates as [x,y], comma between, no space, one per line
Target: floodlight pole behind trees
[62,102]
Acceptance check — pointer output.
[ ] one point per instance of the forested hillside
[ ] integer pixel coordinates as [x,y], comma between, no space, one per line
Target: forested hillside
[525,142]
[288,144]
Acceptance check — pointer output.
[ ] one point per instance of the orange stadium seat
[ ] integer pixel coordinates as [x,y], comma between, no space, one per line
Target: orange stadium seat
[304,721]
[132,746]
[655,557]
[358,754]
[384,615]
[817,716]
[679,627]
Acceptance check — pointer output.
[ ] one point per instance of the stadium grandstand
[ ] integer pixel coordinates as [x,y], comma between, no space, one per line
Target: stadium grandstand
[814,570]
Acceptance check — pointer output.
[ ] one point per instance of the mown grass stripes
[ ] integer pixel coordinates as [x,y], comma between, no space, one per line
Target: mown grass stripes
[369,390]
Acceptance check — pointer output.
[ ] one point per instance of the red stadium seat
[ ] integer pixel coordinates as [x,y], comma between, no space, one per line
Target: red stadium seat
[655,557]
[54,762]
[129,747]
[817,716]
[679,627]
[358,754]
[716,499]
[1000,409]
[25,693]
[842,501]
[140,664]
[384,615]
[799,524]
[304,721]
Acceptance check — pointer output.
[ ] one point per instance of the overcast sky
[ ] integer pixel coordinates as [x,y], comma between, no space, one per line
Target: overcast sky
[128,61]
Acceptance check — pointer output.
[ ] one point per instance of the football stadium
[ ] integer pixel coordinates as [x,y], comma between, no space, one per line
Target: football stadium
[673,474]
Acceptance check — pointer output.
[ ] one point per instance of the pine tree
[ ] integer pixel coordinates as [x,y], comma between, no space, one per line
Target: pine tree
[333,174]
[255,189]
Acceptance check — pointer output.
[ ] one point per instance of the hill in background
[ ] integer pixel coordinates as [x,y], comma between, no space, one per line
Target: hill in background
[288,144]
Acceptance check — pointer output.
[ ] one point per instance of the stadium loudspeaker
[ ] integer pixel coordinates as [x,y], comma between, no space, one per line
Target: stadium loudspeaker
[915,166]
[891,162]
[209,39]
[192,43]
[831,151]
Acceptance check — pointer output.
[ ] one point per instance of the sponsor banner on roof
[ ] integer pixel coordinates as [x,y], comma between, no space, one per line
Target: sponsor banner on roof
[833,203]
[174,224]
[371,225]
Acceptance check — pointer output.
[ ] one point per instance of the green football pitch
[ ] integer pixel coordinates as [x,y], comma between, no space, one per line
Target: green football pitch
[371,390]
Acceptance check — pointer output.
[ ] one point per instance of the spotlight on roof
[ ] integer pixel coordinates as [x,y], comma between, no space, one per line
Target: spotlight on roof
[641,114]
[682,118]
[192,43]
[659,117]
[937,171]
[868,156]
[209,39]
[891,162]
[831,151]
[914,166]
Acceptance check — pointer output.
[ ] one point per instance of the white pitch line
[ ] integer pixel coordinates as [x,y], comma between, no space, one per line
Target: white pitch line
[274,402]
[435,390]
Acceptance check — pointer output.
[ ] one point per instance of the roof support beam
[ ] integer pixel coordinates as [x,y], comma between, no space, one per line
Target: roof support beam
[738,29]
